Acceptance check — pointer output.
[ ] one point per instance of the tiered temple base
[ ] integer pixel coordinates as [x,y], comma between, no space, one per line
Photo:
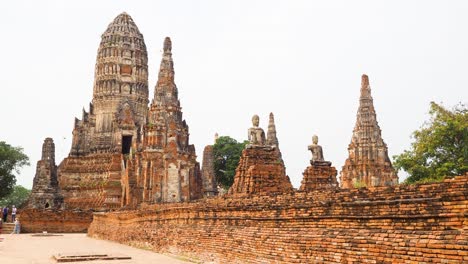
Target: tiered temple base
[260,170]
[319,176]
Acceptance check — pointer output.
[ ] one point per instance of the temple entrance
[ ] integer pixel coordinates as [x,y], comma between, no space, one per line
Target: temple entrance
[126,144]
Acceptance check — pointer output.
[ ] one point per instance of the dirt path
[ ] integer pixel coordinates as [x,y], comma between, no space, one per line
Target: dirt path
[28,249]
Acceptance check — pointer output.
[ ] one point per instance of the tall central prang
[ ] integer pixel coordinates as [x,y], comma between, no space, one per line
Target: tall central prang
[124,153]
[120,94]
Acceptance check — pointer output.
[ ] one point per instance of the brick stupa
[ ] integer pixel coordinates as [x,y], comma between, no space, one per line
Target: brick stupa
[368,163]
[261,168]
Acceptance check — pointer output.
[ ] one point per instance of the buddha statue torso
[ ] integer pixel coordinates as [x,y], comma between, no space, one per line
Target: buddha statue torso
[256,134]
[317,153]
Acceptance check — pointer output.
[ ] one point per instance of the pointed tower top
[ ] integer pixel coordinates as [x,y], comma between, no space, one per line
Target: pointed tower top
[272,140]
[216,137]
[48,150]
[165,92]
[167,45]
[367,128]
[365,86]
[364,80]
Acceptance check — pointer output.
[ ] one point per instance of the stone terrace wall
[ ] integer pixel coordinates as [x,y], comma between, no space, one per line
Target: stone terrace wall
[402,224]
[62,221]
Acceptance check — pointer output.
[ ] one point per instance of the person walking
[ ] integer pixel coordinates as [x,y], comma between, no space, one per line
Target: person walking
[13,213]
[17,228]
[5,214]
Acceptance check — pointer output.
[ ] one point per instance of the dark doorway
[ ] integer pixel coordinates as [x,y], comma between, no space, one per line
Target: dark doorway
[47,205]
[126,144]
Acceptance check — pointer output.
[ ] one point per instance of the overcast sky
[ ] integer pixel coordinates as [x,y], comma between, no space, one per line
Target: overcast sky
[301,60]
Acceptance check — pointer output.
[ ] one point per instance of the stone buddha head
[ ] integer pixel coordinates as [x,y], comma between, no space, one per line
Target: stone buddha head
[255,120]
[315,139]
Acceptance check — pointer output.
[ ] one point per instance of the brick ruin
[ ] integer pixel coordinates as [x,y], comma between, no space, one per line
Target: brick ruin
[45,192]
[261,168]
[210,186]
[123,152]
[137,159]
[368,163]
[390,224]
[55,221]
[320,174]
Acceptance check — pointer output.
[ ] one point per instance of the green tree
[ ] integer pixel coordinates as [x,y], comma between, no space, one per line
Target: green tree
[18,197]
[226,152]
[11,160]
[440,147]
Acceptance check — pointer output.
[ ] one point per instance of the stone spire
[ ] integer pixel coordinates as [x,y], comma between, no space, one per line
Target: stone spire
[45,192]
[167,133]
[166,92]
[272,140]
[368,163]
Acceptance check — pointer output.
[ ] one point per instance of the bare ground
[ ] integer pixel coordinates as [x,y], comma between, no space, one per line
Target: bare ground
[28,249]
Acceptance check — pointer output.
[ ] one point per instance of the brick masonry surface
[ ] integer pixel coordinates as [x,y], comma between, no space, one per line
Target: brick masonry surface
[399,224]
[52,221]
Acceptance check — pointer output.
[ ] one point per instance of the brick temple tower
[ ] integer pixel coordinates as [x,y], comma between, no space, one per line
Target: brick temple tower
[167,166]
[45,192]
[124,153]
[368,163]
[120,95]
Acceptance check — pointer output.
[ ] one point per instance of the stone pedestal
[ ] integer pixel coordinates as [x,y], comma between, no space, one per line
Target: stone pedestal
[320,175]
[260,170]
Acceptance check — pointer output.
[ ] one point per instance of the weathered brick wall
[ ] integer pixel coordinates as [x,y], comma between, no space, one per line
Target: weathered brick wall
[403,224]
[55,221]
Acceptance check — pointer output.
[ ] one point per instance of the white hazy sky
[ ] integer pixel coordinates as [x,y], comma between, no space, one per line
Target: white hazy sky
[301,60]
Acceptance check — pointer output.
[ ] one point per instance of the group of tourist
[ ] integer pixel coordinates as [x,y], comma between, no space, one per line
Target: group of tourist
[14,219]
[5,211]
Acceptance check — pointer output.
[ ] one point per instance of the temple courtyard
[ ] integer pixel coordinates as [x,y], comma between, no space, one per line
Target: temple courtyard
[28,248]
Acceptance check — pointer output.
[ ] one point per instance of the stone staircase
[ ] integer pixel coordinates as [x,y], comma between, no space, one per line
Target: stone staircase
[7,228]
